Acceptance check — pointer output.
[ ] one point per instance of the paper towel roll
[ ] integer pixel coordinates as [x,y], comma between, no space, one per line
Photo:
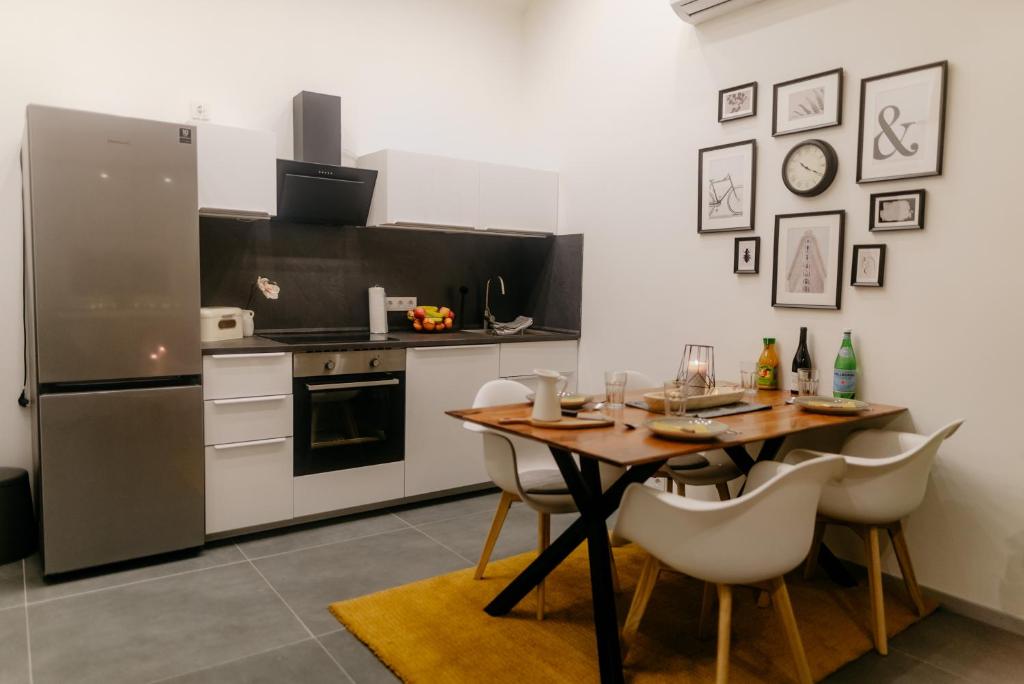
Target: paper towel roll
[378,310]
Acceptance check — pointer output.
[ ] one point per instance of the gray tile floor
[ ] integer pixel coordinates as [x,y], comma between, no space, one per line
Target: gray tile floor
[255,610]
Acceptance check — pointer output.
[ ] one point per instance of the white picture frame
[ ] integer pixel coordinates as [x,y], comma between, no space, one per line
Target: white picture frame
[807,103]
[726,187]
[902,124]
[807,263]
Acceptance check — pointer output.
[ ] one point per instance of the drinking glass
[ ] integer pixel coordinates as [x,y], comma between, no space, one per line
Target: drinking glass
[615,388]
[748,378]
[807,382]
[676,394]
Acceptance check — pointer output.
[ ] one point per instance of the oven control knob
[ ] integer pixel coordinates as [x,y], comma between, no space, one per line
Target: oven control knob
[374,362]
[329,365]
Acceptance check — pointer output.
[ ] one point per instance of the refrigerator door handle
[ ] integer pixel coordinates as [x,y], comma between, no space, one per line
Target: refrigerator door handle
[256,442]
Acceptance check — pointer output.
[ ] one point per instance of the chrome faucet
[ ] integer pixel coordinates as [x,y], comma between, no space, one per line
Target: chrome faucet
[488,316]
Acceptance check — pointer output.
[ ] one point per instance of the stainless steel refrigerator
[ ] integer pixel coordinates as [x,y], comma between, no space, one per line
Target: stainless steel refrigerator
[112,336]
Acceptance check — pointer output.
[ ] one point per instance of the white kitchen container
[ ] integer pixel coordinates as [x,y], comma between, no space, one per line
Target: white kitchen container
[220,323]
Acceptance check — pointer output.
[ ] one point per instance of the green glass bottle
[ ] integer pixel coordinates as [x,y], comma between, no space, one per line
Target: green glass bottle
[844,377]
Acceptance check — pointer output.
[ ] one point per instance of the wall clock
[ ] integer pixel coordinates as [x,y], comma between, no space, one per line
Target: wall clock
[810,167]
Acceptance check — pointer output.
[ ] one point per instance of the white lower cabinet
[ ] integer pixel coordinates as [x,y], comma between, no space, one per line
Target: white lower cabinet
[340,489]
[248,483]
[439,453]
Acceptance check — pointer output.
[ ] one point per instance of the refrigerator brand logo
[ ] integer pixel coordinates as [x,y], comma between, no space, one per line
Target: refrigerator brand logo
[185,135]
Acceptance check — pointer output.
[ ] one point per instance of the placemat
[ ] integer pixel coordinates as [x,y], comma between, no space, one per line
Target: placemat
[717,412]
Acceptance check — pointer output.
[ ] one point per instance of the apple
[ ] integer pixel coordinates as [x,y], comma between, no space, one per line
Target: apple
[419,312]
[444,311]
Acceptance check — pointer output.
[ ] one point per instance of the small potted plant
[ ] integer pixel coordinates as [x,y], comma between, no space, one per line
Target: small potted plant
[270,290]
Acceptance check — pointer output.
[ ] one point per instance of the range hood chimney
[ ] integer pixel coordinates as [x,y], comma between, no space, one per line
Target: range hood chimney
[315,188]
[316,128]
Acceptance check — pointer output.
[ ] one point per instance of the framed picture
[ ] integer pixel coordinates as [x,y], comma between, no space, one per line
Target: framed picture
[807,268]
[725,187]
[901,210]
[737,103]
[806,103]
[868,268]
[746,257]
[902,122]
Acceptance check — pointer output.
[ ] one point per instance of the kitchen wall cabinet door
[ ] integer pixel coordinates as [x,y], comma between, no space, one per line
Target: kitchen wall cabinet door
[423,188]
[515,198]
[237,171]
[439,453]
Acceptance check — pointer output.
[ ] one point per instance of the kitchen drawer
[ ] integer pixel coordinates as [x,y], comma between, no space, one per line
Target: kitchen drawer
[522,358]
[242,419]
[248,483]
[340,489]
[246,375]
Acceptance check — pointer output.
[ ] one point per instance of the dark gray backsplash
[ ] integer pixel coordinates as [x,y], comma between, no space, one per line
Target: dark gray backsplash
[324,272]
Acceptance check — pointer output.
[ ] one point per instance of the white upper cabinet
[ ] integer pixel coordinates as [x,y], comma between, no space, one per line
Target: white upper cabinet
[439,191]
[237,171]
[515,198]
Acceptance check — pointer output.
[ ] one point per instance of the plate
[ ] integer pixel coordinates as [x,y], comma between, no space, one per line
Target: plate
[716,396]
[687,429]
[831,405]
[569,401]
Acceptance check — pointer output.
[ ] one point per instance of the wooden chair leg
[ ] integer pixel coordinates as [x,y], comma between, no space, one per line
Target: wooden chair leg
[644,587]
[764,599]
[875,586]
[543,540]
[899,545]
[492,537]
[706,603]
[723,491]
[812,557]
[724,632]
[616,585]
[784,609]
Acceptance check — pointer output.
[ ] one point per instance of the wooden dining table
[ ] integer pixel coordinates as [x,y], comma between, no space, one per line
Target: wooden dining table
[630,445]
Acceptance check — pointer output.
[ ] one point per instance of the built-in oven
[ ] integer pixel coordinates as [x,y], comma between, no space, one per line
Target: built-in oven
[349,409]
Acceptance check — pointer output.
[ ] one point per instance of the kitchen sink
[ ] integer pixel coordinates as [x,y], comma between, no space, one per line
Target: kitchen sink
[529,332]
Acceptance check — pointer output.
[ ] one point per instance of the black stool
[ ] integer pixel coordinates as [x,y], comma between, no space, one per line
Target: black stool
[17,519]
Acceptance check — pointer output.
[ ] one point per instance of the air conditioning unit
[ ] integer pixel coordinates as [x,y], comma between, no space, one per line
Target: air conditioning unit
[699,11]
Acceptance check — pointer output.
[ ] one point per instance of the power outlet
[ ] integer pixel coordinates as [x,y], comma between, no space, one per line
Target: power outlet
[400,303]
[200,111]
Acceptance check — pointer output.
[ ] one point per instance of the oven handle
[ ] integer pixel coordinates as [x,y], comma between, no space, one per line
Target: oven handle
[352,385]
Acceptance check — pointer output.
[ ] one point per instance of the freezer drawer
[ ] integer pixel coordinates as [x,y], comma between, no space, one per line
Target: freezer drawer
[122,475]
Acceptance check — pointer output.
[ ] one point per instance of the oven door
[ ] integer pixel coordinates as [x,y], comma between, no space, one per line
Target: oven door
[348,421]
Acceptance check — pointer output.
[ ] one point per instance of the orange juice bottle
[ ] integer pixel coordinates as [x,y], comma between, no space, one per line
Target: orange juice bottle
[768,366]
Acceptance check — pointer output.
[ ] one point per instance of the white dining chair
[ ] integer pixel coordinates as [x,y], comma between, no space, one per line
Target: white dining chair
[525,471]
[886,478]
[706,469]
[754,540]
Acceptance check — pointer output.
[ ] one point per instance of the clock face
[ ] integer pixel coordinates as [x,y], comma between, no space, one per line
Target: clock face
[809,168]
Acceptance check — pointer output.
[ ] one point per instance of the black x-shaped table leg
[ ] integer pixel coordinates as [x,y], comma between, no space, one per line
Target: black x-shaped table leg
[584,483]
[832,566]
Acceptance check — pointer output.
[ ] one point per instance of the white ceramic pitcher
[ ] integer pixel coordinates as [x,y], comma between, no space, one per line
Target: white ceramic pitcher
[547,401]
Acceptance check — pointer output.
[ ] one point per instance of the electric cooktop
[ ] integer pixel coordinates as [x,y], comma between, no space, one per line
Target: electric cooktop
[327,337]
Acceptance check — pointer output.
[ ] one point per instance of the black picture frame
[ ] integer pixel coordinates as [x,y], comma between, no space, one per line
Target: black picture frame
[779,218]
[753,187]
[839,103]
[855,271]
[736,255]
[725,91]
[937,171]
[918,224]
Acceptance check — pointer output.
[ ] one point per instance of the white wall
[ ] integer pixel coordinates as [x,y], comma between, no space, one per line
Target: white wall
[440,77]
[622,96]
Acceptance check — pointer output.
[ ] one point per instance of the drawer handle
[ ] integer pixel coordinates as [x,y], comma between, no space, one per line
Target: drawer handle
[249,400]
[261,355]
[258,442]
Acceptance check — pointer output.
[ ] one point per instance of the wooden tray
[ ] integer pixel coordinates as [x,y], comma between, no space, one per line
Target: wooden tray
[566,423]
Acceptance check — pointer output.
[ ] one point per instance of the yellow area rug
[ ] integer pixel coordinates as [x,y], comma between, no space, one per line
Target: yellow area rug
[435,631]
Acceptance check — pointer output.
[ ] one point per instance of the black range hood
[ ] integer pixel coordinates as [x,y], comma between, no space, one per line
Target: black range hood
[315,188]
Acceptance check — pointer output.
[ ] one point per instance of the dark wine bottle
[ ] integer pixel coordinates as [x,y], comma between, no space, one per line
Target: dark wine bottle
[802,359]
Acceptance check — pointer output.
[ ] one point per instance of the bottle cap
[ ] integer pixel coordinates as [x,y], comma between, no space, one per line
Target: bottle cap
[848,331]
[769,340]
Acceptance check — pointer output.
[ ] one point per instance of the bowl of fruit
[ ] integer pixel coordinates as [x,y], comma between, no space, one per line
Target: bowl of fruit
[431,319]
